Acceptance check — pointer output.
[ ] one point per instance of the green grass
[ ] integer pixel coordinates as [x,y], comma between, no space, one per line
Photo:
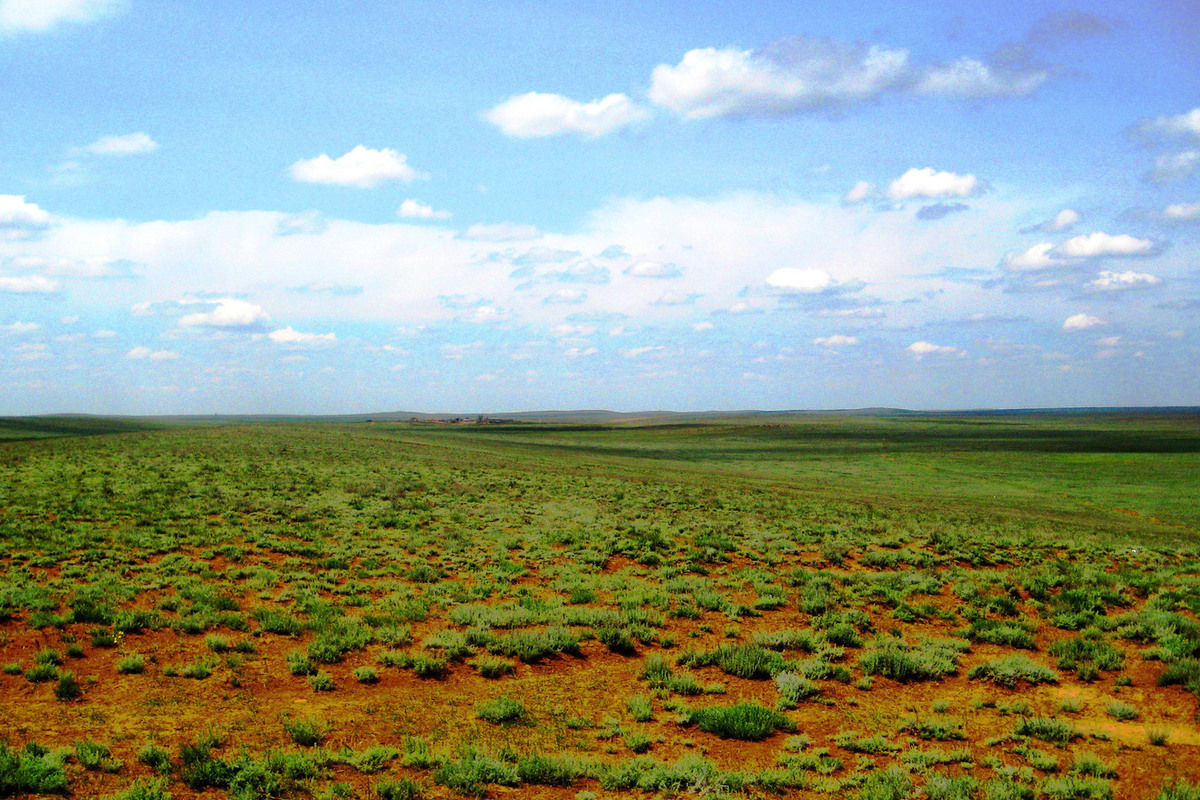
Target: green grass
[744,721]
[501,710]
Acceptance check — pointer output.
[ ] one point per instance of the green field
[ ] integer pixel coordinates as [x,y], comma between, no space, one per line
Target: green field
[872,606]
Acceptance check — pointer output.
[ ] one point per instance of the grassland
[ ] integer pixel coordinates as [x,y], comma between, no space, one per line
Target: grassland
[970,606]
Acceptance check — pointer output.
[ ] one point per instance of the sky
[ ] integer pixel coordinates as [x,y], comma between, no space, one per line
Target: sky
[353,207]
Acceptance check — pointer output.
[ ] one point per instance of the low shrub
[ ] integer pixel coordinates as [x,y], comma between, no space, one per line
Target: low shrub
[501,710]
[306,732]
[1011,670]
[1050,730]
[745,721]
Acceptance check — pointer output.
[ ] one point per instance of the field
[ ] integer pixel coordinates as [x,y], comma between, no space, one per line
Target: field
[872,606]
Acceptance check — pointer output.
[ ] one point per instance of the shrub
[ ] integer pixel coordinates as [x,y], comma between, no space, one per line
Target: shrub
[401,789]
[740,660]
[94,756]
[131,665]
[48,655]
[198,670]
[745,721]
[943,787]
[1122,711]
[1011,670]
[640,708]
[41,673]
[1070,787]
[501,710]
[306,733]
[427,666]
[1158,736]
[300,664]
[942,729]
[1050,730]
[321,682]
[32,771]
[68,688]
[539,770]
[1091,765]
[218,644]
[373,759]
[490,667]
[198,767]
[655,671]
[366,675]
[1180,790]
[794,688]
[929,660]
[155,758]
[471,774]
[147,789]
[890,784]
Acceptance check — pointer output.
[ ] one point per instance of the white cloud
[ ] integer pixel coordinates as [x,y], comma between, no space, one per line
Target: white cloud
[792,76]
[801,280]
[1100,244]
[16,213]
[502,232]
[310,222]
[653,269]
[1040,256]
[1109,341]
[1173,166]
[565,331]
[924,348]
[486,315]
[290,335]
[1185,125]
[539,114]
[229,313]
[928,182]
[700,327]
[1119,281]
[28,284]
[138,353]
[859,192]
[1082,322]
[676,299]
[1066,218]
[836,340]
[412,209]
[362,168]
[970,77]
[20,328]
[37,16]
[129,144]
[1182,212]
[580,352]
[566,297]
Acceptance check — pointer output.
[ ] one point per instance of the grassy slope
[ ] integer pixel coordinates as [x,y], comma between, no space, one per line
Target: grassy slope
[1131,475]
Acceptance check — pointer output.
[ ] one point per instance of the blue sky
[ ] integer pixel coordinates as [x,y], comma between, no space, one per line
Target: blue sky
[347,207]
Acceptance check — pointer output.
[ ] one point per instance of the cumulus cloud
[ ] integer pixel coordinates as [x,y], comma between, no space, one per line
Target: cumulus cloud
[487,315]
[565,297]
[1100,244]
[362,168]
[306,222]
[413,209]
[924,348]
[1038,257]
[38,16]
[20,328]
[16,214]
[290,335]
[1176,126]
[859,192]
[1063,220]
[28,284]
[536,114]
[127,145]
[835,341]
[653,269]
[800,280]
[928,182]
[973,78]
[1173,166]
[1121,281]
[793,75]
[1182,212]
[676,299]
[139,353]
[1082,322]
[229,313]
[502,232]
